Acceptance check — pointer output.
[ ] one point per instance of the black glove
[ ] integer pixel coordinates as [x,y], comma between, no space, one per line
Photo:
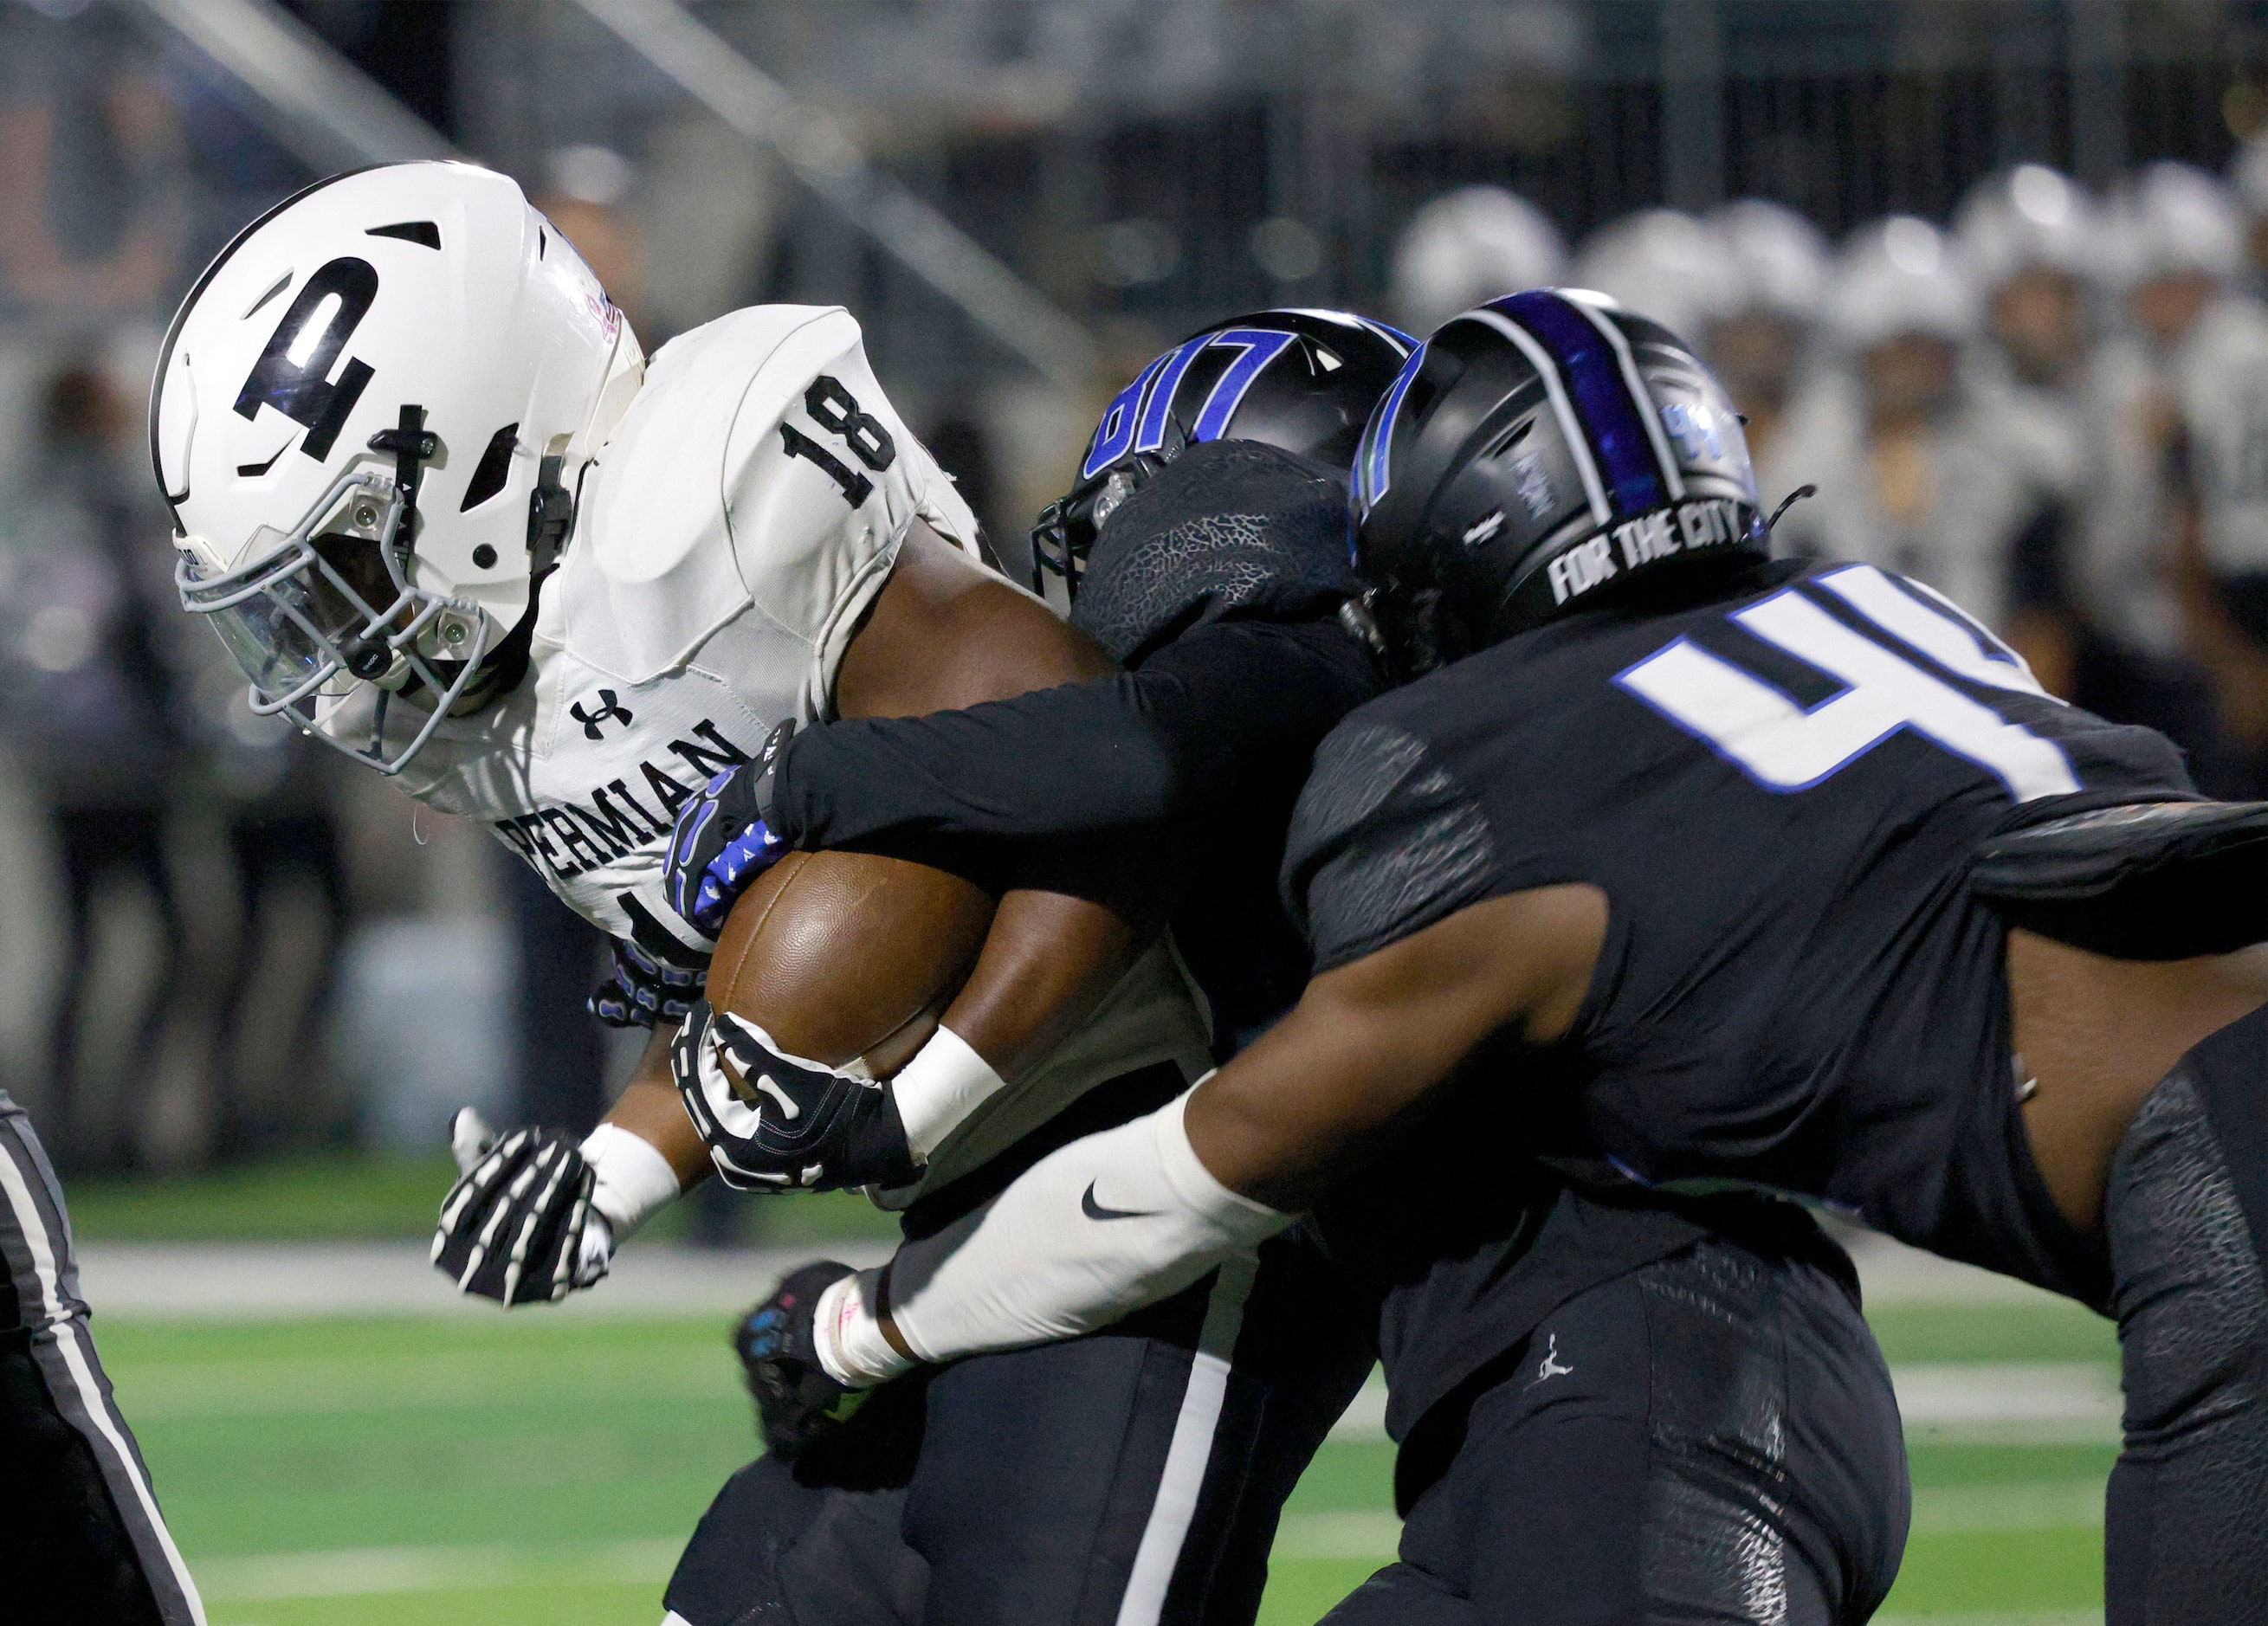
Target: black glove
[723,840]
[796,1402]
[777,1122]
[517,1226]
[644,988]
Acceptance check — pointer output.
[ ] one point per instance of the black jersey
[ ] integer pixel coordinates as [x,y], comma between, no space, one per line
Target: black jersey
[1779,791]
[1218,584]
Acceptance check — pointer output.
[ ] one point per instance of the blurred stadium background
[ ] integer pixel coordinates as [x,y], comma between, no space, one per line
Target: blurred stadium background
[1999,301]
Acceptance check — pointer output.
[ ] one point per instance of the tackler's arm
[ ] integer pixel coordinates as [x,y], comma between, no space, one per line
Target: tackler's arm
[2151,881]
[1128,1216]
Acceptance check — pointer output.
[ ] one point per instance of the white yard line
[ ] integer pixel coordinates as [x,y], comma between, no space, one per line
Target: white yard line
[1368,1535]
[250,1280]
[236,1280]
[1891,1273]
[361,1572]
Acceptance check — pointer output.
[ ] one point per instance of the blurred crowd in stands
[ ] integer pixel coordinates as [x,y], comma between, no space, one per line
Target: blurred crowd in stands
[2053,409]
[219,940]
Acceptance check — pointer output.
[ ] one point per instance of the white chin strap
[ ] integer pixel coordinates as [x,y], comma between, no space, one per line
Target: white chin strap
[1098,1229]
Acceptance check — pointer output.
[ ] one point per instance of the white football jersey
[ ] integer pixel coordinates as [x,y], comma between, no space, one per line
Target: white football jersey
[734,527]
[733,530]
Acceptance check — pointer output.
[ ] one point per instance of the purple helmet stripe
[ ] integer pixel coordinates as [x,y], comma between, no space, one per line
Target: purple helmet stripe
[1611,418]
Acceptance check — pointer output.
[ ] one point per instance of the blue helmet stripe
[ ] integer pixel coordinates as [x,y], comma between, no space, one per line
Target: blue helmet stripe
[1664,459]
[1616,426]
[1159,407]
[1371,458]
[1116,433]
[1260,346]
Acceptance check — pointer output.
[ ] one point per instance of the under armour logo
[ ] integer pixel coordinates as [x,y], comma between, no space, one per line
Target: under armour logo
[590,720]
[1551,1365]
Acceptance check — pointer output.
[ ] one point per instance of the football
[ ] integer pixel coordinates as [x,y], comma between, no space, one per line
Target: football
[841,956]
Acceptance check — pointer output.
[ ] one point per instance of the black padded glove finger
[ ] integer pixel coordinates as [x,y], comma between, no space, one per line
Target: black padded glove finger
[511,1229]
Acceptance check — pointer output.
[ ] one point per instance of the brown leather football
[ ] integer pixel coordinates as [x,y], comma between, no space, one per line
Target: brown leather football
[839,955]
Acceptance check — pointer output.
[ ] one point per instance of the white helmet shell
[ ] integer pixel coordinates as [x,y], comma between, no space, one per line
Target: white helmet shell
[1662,262]
[2029,216]
[368,316]
[1897,277]
[1467,248]
[2173,219]
[1779,260]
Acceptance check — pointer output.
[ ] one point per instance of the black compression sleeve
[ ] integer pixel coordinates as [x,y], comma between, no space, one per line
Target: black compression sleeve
[1229,706]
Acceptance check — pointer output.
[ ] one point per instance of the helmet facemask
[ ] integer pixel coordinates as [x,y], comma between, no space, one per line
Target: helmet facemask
[333,607]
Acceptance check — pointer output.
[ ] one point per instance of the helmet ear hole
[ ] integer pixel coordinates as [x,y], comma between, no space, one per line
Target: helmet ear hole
[494,468]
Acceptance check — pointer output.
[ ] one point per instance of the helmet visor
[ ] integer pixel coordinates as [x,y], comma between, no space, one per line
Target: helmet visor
[327,613]
[318,608]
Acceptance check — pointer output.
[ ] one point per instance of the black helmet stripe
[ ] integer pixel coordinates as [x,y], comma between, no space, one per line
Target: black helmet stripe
[1629,457]
[1403,343]
[1394,335]
[1555,385]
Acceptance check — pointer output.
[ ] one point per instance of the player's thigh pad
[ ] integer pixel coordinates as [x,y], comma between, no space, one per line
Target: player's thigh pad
[2185,1538]
[1711,1438]
[1133,1476]
[773,1548]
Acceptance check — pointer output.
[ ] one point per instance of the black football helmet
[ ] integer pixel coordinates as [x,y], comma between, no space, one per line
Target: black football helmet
[1303,380]
[1537,455]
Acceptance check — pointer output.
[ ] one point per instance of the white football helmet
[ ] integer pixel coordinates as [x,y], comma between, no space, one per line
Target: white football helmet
[1467,247]
[1897,276]
[1779,261]
[370,418]
[2173,219]
[1664,262]
[2029,216]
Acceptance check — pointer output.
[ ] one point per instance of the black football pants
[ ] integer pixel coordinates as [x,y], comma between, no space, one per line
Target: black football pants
[1711,1438]
[81,1539]
[2186,1212]
[1128,1478]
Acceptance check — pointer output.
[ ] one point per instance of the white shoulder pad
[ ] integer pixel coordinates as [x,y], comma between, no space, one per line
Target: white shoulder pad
[759,465]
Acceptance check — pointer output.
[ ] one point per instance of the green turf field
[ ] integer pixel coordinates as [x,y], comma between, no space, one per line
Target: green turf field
[358,1196]
[445,1470]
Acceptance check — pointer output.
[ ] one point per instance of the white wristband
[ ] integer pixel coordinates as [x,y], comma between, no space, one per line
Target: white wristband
[848,1336]
[634,1180]
[938,1090]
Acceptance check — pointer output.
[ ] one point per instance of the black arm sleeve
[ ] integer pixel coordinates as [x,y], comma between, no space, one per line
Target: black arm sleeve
[1227,711]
